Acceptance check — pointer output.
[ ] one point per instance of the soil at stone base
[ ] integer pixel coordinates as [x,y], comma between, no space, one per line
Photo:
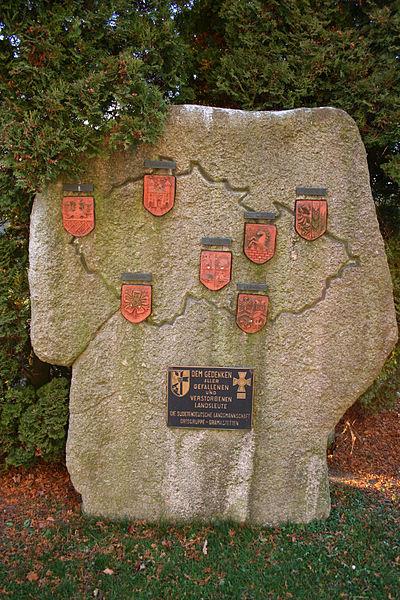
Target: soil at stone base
[366,454]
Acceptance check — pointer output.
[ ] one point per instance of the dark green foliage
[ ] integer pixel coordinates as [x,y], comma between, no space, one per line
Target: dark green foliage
[14,301]
[273,55]
[384,393]
[33,423]
[76,75]
[13,405]
[77,78]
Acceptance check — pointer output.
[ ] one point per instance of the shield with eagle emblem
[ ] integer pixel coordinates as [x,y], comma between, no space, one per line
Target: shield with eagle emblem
[311,217]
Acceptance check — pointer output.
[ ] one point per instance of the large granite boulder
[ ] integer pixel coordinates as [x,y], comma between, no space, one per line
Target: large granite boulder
[331,321]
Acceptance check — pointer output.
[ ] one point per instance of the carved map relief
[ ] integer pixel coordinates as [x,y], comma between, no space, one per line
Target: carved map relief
[329,304]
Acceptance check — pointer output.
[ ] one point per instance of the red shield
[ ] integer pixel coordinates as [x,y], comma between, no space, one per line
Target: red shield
[135,302]
[311,218]
[78,215]
[251,312]
[215,268]
[158,193]
[259,242]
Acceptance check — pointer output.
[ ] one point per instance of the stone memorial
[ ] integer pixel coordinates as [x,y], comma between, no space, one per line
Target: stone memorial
[255,307]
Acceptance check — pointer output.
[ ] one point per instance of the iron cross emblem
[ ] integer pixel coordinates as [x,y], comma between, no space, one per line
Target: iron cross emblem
[241,382]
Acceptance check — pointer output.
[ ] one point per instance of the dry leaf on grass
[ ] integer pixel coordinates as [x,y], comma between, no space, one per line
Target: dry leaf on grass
[139,566]
[199,581]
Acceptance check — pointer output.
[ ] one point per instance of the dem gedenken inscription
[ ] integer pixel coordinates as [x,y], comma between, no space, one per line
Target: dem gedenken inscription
[210,397]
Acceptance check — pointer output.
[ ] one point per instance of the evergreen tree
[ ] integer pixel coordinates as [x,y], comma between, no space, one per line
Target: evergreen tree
[76,77]
[274,55]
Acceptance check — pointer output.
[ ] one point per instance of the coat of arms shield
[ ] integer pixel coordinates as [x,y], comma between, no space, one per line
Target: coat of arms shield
[158,193]
[180,382]
[78,215]
[215,268]
[135,302]
[311,217]
[251,312]
[259,242]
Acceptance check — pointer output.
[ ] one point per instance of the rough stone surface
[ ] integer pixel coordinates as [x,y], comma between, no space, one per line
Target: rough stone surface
[330,328]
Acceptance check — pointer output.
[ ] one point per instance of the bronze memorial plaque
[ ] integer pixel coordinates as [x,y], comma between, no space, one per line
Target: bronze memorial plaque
[210,397]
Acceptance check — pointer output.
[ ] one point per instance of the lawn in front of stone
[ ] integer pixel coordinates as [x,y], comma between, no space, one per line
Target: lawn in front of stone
[63,554]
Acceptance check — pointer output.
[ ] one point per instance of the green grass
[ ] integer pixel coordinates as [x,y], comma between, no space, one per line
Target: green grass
[355,554]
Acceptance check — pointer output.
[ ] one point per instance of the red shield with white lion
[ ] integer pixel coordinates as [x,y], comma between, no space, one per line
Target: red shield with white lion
[135,302]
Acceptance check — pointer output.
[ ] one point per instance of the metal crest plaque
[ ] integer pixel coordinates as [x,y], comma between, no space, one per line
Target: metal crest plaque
[215,268]
[259,242]
[158,193]
[251,312]
[311,217]
[135,302]
[78,215]
[210,397]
